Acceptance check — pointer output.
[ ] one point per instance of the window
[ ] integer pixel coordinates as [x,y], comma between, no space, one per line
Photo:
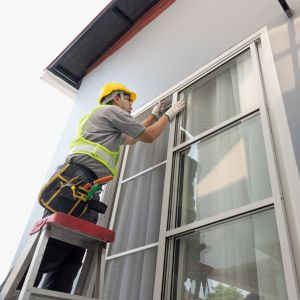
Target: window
[219,235]
[241,257]
[130,266]
[199,214]
[219,96]
[220,167]
[221,172]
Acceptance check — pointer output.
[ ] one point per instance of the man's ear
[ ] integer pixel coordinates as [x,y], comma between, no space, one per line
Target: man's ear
[117,100]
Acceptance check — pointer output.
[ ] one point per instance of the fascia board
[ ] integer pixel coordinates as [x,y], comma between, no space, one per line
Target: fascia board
[59,84]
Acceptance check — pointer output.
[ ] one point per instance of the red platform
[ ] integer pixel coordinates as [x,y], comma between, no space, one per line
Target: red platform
[76,224]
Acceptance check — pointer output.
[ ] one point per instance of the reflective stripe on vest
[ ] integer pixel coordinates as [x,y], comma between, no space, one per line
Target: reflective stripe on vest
[110,161]
[80,145]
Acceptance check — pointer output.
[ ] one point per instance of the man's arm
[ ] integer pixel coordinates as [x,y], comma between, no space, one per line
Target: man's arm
[156,112]
[149,121]
[153,131]
[150,133]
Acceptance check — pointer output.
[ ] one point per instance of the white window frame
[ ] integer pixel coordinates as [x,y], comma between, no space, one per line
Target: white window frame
[285,168]
[269,92]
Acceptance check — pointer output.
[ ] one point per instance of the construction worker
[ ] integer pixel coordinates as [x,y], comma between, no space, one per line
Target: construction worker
[94,154]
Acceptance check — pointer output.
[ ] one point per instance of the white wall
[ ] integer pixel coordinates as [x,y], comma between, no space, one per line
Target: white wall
[188,35]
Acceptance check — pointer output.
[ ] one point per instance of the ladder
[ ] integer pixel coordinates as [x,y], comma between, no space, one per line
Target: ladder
[71,230]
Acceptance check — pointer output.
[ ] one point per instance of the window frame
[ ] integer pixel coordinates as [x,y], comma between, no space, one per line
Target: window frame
[171,244]
[224,126]
[260,38]
[283,163]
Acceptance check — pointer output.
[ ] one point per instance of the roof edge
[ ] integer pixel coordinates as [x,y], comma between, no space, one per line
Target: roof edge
[59,84]
[103,11]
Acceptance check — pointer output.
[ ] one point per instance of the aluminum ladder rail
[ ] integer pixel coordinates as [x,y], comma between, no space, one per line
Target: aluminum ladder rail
[69,229]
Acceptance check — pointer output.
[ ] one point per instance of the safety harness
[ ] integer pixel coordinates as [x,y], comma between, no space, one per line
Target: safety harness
[80,145]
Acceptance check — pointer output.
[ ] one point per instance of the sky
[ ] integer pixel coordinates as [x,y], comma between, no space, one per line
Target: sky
[33,114]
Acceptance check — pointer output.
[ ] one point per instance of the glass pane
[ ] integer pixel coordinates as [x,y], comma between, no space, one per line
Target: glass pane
[228,91]
[236,260]
[142,156]
[221,173]
[131,276]
[138,214]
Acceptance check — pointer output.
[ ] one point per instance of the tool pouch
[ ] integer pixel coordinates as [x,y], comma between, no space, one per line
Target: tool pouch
[96,205]
[64,194]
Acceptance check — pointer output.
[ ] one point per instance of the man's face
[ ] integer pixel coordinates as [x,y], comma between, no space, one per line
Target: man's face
[124,102]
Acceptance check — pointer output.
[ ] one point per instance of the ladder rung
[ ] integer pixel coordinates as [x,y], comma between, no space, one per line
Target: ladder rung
[42,294]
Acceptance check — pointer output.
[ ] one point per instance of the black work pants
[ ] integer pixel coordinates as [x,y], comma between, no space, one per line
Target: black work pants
[62,261]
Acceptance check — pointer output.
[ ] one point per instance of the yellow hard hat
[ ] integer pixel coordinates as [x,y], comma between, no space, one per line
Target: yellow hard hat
[110,87]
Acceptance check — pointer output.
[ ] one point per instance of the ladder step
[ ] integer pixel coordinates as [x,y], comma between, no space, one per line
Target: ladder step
[71,230]
[42,294]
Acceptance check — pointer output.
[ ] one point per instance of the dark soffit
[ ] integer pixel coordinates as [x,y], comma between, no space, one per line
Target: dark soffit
[107,27]
[118,17]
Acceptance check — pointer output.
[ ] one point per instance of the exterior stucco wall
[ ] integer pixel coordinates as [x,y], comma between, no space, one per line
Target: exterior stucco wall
[188,35]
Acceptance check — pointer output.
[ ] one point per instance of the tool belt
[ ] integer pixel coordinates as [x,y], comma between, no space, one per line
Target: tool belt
[68,191]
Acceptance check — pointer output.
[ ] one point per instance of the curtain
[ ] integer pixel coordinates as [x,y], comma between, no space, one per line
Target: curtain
[142,157]
[229,169]
[138,214]
[226,92]
[131,276]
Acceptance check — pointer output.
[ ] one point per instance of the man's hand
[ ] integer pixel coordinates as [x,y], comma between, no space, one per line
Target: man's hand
[153,131]
[158,109]
[175,109]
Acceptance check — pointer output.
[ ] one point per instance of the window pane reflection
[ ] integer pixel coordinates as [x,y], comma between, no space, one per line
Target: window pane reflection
[224,172]
[228,91]
[236,260]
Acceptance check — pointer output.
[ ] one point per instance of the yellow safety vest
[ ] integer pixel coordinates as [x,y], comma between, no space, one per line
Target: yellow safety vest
[80,145]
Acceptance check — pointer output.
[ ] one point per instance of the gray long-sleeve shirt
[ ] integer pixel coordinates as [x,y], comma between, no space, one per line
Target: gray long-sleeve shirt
[107,126]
